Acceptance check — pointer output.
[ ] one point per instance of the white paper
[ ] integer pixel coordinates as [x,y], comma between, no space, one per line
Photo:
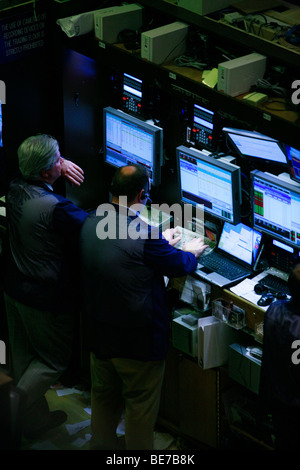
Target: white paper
[80,442]
[245,289]
[74,428]
[68,391]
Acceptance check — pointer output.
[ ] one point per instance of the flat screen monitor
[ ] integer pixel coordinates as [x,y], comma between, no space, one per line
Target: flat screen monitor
[213,183]
[293,160]
[256,145]
[130,140]
[276,207]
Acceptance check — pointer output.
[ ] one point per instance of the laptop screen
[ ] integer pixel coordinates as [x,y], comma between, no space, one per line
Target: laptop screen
[240,241]
[254,144]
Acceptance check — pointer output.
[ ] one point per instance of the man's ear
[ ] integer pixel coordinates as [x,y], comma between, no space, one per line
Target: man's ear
[44,174]
[142,195]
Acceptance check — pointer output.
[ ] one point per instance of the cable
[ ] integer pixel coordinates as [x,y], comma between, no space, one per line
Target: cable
[253,20]
[186,61]
[266,85]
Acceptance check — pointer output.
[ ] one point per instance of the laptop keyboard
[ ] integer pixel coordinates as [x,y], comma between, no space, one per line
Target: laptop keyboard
[275,283]
[222,266]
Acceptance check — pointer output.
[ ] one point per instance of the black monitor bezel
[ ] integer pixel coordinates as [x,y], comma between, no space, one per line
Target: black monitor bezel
[258,137]
[281,183]
[156,131]
[234,171]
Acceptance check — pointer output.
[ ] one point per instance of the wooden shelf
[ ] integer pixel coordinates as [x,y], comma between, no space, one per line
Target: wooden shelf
[234,35]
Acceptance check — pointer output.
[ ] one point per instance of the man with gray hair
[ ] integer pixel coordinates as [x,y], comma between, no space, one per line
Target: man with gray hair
[40,284]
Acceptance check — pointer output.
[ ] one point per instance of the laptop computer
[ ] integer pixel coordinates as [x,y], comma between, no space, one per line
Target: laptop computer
[234,257]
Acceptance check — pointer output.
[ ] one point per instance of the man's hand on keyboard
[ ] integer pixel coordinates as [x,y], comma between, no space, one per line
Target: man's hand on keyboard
[195,246]
[171,236]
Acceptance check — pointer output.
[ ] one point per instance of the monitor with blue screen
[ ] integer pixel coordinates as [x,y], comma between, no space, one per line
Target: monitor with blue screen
[130,140]
[215,184]
[255,145]
[276,207]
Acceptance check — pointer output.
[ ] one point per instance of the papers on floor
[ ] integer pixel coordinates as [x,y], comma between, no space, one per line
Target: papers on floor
[74,428]
[80,442]
[68,391]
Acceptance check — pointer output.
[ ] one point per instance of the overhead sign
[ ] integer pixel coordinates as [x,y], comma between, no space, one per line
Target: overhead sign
[21,35]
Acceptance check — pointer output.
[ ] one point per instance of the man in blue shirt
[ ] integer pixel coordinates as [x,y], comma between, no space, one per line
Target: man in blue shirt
[280,371]
[39,282]
[126,316]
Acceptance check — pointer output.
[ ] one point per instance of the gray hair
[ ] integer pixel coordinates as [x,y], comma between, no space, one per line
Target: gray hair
[37,153]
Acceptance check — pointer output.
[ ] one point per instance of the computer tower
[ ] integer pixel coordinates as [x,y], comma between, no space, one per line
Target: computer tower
[109,22]
[164,43]
[238,75]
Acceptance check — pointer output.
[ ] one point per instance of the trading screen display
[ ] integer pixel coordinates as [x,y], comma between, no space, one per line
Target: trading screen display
[276,208]
[256,145]
[205,180]
[129,140]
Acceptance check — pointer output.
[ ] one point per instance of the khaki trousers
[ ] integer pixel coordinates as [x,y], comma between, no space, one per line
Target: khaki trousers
[125,384]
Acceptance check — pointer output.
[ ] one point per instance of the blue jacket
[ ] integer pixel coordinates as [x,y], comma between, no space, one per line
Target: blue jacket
[43,230]
[125,307]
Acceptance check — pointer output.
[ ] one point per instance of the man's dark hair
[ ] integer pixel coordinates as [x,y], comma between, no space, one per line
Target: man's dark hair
[130,184]
[294,282]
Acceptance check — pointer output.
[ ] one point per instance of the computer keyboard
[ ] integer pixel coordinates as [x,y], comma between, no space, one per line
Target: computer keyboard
[275,283]
[221,265]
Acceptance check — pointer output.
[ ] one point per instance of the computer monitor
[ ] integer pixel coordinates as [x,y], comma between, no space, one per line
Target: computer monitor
[293,160]
[276,207]
[214,183]
[129,140]
[255,145]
